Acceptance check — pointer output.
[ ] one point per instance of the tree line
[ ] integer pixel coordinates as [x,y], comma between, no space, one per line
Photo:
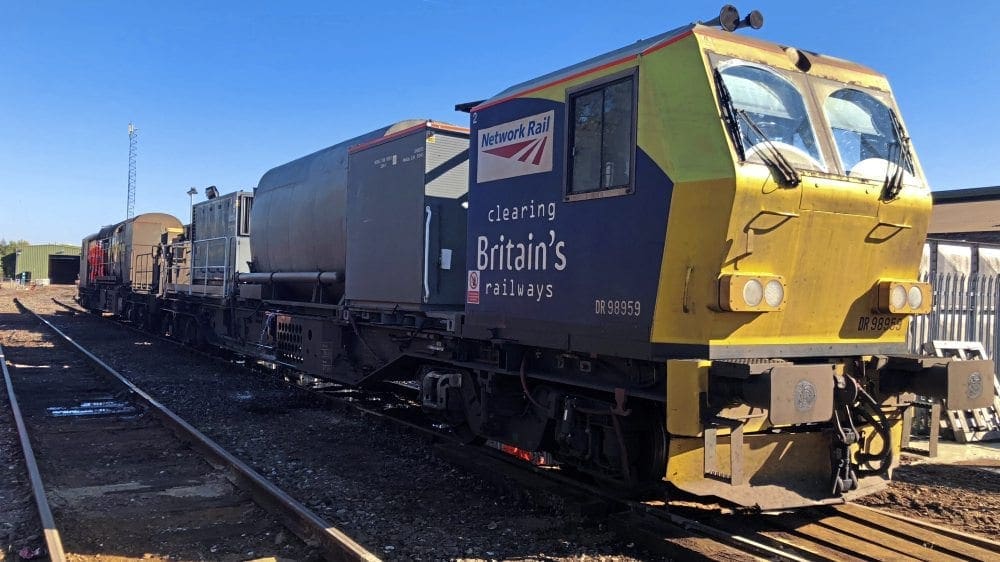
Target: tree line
[7,247]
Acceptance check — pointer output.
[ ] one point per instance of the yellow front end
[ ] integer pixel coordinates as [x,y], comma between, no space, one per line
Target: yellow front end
[771,466]
[785,283]
[830,239]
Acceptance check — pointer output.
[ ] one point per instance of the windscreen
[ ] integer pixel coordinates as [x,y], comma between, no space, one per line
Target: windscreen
[866,134]
[772,110]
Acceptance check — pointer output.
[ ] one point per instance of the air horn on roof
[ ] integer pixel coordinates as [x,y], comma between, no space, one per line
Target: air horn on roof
[729,19]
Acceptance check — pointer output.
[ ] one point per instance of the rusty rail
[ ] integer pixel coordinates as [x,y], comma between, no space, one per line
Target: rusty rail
[53,543]
[298,518]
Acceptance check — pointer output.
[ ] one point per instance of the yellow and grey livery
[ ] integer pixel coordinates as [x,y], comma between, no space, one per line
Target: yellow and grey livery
[789,270]
[689,260]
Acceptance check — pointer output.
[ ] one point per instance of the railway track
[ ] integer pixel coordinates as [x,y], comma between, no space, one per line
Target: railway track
[847,532]
[852,532]
[676,529]
[116,475]
[662,537]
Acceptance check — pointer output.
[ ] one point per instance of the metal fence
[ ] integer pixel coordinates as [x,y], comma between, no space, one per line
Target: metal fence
[965,309]
[965,276]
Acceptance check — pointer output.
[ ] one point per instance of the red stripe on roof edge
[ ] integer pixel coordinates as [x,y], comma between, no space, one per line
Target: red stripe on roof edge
[425,125]
[668,42]
[583,72]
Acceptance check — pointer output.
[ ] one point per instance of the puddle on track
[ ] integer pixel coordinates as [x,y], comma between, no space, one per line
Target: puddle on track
[94,409]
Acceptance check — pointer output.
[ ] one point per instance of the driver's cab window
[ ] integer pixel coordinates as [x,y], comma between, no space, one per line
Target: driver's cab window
[771,115]
[867,135]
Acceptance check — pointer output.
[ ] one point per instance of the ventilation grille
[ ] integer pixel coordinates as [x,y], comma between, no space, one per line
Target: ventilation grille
[289,344]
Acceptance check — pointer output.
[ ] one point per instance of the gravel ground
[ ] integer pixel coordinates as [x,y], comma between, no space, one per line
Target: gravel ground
[388,490]
[123,486]
[381,485]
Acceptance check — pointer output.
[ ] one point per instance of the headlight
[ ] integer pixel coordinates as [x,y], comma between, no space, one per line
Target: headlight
[753,293]
[903,297]
[774,293]
[750,292]
[897,297]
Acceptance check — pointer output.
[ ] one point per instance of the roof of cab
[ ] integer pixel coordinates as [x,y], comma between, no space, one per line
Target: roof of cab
[607,59]
[643,47]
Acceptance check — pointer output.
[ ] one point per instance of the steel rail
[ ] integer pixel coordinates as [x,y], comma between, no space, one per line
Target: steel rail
[757,546]
[53,543]
[302,521]
[745,544]
[739,542]
[768,547]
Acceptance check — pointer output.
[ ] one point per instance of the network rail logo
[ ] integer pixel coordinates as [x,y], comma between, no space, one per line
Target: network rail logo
[516,148]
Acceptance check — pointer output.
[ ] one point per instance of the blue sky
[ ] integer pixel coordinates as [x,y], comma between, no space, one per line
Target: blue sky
[223,91]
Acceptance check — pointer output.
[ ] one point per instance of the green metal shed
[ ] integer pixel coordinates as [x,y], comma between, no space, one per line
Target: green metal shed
[53,263]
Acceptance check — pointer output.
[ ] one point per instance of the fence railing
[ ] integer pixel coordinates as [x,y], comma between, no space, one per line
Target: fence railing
[965,309]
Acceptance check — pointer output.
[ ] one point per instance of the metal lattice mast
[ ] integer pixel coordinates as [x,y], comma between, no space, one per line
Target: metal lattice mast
[133,135]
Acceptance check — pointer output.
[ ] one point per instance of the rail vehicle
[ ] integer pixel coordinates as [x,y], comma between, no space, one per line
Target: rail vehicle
[692,259]
[117,265]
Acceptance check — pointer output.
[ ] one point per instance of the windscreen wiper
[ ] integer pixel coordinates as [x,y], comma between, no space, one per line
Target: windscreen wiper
[728,115]
[893,174]
[777,160]
[774,157]
[894,180]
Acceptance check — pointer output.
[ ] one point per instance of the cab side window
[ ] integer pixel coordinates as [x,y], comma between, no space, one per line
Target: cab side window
[601,134]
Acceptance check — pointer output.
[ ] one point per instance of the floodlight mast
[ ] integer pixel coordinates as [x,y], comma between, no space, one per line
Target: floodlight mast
[133,134]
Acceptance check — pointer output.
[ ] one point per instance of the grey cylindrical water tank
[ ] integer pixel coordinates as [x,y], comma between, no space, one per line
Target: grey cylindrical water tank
[298,218]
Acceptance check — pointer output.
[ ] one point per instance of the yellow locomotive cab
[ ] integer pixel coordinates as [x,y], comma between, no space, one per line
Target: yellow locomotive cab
[781,204]
[791,257]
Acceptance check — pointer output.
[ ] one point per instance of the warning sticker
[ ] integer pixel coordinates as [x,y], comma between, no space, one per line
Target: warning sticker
[472,287]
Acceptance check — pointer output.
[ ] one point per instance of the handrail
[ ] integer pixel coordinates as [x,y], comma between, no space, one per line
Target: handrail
[208,265]
[143,278]
[199,262]
[427,250]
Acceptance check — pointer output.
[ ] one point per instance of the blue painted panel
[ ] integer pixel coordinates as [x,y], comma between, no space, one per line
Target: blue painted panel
[542,269]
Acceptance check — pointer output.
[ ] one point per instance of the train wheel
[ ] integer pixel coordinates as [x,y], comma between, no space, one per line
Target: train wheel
[464,433]
[652,461]
[189,331]
[181,329]
[195,333]
[167,325]
[141,317]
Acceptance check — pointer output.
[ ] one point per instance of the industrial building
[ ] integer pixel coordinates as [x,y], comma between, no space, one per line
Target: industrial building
[972,215]
[962,260]
[58,264]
